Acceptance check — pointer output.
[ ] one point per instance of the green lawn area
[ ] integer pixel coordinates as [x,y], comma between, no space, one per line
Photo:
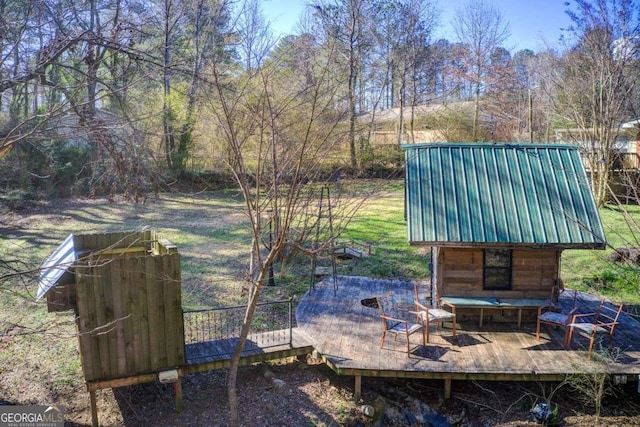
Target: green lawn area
[212,236]
[593,271]
[379,223]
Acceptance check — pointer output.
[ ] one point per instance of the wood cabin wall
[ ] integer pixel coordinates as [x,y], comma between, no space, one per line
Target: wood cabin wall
[460,272]
[129,308]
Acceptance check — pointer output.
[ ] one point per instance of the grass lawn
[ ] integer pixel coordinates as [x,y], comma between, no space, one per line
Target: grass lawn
[593,270]
[38,357]
[211,233]
[380,222]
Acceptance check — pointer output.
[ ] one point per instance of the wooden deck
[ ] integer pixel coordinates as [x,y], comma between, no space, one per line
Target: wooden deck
[258,348]
[347,334]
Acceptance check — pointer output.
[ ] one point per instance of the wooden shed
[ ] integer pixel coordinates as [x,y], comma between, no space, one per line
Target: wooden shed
[125,290]
[497,217]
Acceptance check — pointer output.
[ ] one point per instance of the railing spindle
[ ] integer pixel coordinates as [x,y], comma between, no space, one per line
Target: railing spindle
[269,328]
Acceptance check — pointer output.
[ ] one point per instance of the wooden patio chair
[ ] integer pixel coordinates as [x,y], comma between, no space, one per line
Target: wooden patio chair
[552,315]
[597,325]
[392,321]
[428,312]
[423,293]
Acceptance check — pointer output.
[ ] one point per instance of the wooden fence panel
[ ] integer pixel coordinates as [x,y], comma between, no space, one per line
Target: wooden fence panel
[84,301]
[129,323]
[140,316]
[134,330]
[108,272]
[120,317]
[178,321]
[129,307]
[99,330]
[155,296]
[173,309]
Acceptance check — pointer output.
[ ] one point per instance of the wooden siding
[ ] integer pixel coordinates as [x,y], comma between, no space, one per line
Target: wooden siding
[62,296]
[460,272]
[103,241]
[129,307]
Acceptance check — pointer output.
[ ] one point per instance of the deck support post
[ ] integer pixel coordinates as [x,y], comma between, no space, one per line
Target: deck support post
[94,408]
[447,387]
[177,388]
[358,387]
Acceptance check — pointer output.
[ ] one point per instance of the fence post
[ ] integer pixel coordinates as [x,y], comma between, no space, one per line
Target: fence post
[290,321]
[184,336]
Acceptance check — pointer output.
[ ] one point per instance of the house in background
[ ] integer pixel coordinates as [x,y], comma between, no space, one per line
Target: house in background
[498,216]
[627,148]
[431,123]
[69,127]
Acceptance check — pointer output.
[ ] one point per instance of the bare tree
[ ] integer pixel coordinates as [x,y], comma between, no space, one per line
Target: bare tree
[402,38]
[480,27]
[595,82]
[347,30]
[192,32]
[59,88]
[593,385]
[255,35]
[279,125]
[422,18]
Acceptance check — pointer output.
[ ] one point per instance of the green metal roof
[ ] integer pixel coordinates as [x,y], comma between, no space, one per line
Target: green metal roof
[503,194]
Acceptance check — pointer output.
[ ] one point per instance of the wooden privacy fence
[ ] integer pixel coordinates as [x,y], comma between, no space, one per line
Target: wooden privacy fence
[132,322]
[125,289]
[213,333]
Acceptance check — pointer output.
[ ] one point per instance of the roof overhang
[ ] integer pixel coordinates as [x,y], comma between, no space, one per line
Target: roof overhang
[526,246]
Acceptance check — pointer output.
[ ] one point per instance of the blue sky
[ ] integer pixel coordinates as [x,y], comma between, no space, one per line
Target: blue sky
[533,24]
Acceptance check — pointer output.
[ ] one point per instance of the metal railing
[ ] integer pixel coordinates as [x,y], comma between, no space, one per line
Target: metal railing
[218,329]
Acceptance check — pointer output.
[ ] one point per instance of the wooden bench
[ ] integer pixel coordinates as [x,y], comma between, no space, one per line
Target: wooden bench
[483,303]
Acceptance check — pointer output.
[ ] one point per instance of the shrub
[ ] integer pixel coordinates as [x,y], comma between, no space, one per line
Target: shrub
[69,167]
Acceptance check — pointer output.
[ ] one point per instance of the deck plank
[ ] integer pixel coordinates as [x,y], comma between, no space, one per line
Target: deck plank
[261,344]
[347,334]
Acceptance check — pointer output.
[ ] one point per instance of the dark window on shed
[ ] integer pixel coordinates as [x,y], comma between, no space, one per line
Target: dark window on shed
[497,269]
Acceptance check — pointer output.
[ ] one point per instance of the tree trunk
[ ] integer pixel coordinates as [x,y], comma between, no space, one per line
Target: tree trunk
[92,59]
[401,122]
[232,379]
[352,110]
[476,112]
[167,113]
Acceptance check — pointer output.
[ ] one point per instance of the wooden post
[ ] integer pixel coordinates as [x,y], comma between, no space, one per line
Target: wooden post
[447,387]
[177,387]
[358,387]
[94,408]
